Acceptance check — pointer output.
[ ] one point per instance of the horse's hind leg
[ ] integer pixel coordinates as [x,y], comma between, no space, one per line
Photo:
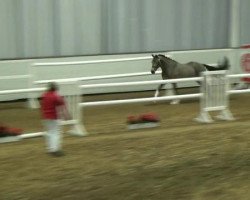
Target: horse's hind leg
[175,101]
[158,90]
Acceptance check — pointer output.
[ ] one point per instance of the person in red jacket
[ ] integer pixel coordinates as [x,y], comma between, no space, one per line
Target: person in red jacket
[52,104]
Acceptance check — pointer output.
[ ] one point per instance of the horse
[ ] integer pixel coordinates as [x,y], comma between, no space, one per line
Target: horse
[171,69]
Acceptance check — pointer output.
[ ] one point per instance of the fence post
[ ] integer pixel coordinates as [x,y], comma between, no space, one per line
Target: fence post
[214,96]
[71,92]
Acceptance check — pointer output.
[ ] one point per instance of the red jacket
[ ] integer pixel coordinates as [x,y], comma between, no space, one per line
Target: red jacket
[49,104]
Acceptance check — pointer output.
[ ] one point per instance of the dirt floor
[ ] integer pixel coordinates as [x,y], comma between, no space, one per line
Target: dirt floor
[181,159]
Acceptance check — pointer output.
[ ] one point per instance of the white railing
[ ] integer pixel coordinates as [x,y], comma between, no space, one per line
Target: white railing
[180,80]
[15,77]
[93,61]
[240,91]
[51,64]
[30,90]
[97,77]
[10,78]
[34,82]
[21,91]
[138,100]
[141,99]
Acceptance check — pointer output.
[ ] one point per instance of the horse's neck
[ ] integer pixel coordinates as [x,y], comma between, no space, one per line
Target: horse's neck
[165,72]
[171,63]
[168,67]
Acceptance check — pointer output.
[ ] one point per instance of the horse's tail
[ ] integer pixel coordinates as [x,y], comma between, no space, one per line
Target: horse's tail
[224,65]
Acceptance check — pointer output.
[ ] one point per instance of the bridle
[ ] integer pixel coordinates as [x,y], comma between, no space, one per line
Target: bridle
[158,65]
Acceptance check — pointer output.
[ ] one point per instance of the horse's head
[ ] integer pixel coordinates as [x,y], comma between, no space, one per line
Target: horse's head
[156,63]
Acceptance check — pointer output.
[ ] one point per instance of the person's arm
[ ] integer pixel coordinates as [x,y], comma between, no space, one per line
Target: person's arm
[63,108]
[65,113]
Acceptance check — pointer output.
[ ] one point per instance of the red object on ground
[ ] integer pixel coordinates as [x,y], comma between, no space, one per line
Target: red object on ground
[7,131]
[150,117]
[14,131]
[245,62]
[143,118]
[2,129]
[132,119]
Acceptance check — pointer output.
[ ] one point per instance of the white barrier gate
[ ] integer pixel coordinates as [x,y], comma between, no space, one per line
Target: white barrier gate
[214,91]
[72,96]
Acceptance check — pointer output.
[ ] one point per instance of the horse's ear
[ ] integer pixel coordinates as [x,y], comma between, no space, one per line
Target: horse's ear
[153,55]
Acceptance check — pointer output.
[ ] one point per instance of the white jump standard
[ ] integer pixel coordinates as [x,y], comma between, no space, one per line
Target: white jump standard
[214,89]
[72,95]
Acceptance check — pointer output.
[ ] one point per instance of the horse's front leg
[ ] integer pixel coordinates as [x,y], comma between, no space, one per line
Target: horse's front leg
[158,90]
[175,101]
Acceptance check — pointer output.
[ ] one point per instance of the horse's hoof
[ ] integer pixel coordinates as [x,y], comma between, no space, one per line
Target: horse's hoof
[175,102]
[155,101]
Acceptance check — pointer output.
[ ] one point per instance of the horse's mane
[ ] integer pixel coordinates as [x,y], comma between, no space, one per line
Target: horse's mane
[167,58]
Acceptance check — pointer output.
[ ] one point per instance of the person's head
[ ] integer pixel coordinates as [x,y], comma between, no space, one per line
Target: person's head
[52,86]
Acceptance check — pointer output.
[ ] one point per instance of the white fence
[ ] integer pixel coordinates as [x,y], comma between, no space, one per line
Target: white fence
[116,76]
[32,96]
[215,89]
[47,66]
[6,83]
[20,67]
[218,102]
[77,104]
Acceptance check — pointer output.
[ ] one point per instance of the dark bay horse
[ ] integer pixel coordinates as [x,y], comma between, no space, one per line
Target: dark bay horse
[172,69]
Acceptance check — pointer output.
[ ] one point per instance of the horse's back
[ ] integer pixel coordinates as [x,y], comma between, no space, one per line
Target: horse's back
[184,70]
[198,67]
